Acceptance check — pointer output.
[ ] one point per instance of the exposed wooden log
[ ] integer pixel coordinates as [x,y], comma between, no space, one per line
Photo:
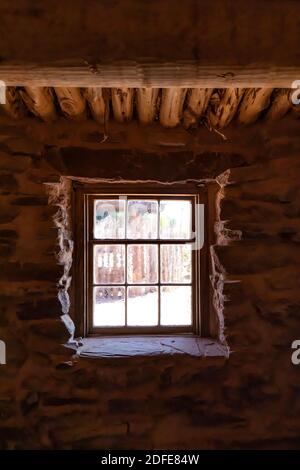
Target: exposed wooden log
[197,101]
[281,104]
[171,106]
[14,105]
[72,103]
[226,109]
[185,74]
[122,103]
[147,104]
[39,101]
[255,100]
[98,100]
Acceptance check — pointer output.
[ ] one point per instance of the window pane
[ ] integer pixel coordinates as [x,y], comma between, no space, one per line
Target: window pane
[176,264]
[109,306]
[176,305]
[109,265]
[109,218]
[142,306]
[142,219]
[175,219]
[142,264]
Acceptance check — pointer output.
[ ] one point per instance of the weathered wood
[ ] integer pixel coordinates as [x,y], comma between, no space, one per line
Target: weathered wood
[219,32]
[98,100]
[147,104]
[171,106]
[71,102]
[281,104]
[14,105]
[197,101]
[185,74]
[255,100]
[122,103]
[39,101]
[226,109]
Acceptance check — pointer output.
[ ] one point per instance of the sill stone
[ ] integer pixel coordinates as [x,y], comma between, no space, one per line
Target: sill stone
[141,346]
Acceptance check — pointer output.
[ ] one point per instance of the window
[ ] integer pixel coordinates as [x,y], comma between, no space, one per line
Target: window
[139,269]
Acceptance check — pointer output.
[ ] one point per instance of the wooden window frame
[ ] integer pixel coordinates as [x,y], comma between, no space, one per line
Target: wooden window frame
[83,197]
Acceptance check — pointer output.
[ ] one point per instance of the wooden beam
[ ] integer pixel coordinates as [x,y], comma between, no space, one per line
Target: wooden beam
[122,103]
[281,104]
[253,103]
[171,106]
[147,104]
[185,74]
[98,100]
[39,101]
[226,109]
[14,105]
[197,101]
[71,102]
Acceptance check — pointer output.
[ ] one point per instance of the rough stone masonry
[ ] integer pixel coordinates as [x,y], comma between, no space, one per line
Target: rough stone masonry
[49,399]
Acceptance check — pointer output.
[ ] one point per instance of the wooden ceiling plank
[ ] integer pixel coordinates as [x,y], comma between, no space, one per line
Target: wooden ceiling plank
[185,74]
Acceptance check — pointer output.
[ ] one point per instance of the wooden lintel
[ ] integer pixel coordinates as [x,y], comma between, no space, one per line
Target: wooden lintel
[185,74]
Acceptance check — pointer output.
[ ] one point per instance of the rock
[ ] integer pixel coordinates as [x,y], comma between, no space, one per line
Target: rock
[38,309]
[30,402]
[30,201]
[8,183]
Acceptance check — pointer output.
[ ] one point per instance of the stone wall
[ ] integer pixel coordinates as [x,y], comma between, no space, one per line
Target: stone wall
[48,399]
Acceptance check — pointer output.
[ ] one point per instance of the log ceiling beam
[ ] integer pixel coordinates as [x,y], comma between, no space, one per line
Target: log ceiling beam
[215,108]
[197,101]
[226,109]
[122,103]
[14,105]
[98,101]
[39,101]
[281,104]
[184,74]
[171,106]
[72,103]
[253,103]
[147,104]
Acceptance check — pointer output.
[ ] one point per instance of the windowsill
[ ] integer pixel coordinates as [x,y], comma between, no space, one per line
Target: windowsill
[139,346]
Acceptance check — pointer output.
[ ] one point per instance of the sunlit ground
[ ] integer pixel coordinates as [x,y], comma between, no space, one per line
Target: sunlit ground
[143,310]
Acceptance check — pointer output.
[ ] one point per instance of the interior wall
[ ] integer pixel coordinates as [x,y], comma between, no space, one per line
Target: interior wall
[50,400]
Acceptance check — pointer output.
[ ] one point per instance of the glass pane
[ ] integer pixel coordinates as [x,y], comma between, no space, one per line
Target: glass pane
[175,219]
[176,264]
[109,218]
[142,306]
[142,264]
[109,306]
[142,219]
[176,305]
[109,264]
